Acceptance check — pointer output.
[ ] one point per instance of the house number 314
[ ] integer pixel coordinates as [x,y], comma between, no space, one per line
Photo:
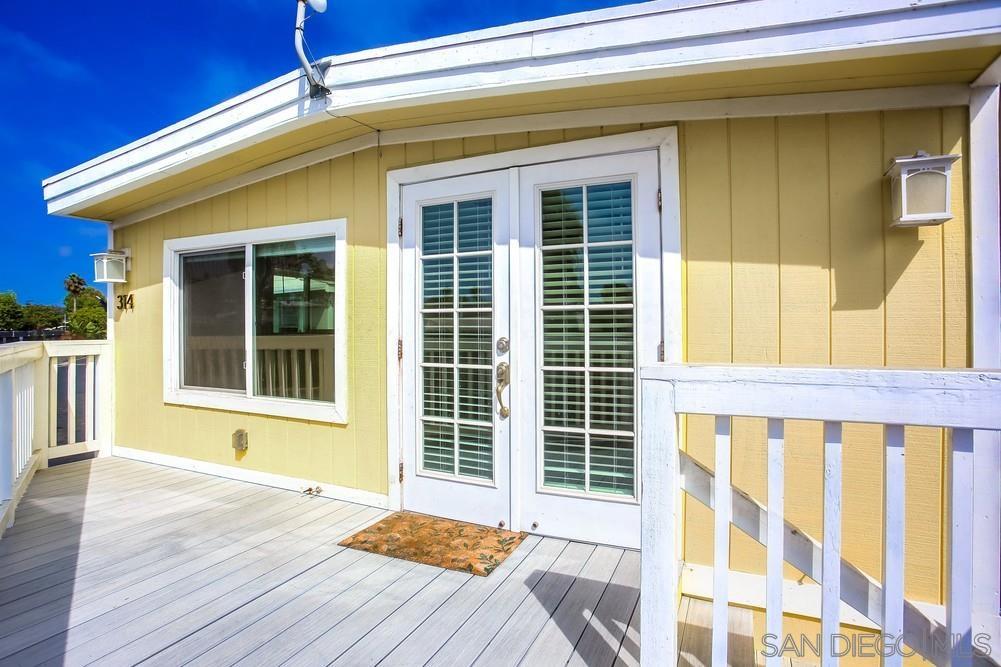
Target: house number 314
[125,302]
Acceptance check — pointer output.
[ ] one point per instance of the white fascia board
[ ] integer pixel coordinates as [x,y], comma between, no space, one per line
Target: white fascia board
[645,41]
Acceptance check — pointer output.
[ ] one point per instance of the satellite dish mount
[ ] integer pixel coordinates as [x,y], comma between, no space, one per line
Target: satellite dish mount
[317,88]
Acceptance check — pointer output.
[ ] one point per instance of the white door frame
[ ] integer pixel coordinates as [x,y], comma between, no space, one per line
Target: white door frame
[663,139]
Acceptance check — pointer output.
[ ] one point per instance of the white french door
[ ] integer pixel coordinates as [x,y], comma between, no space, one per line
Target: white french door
[547,275]
[590,237]
[455,307]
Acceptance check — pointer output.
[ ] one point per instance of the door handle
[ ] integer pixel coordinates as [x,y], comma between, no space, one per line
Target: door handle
[503,380]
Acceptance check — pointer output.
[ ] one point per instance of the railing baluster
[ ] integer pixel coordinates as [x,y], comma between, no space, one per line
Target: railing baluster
[830,615]
[959,607]
[24,418]
[776,534]
[721,547]
[7,435]
[893,544]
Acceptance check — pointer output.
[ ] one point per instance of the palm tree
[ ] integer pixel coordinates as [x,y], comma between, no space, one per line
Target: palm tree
[75,285]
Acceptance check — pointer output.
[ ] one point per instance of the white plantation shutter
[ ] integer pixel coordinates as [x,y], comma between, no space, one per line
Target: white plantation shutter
[588,377]
[457,338]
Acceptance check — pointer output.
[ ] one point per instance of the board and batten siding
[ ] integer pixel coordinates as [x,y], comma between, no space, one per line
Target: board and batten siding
[787,260]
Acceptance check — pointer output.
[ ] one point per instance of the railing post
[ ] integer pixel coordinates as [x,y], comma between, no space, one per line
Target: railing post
[7,435]
[660,516]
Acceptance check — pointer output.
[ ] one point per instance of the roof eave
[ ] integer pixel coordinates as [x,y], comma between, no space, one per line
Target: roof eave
[667,40]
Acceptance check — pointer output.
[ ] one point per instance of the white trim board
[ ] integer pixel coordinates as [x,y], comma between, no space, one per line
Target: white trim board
[985,307]
[800,598]
[663,139]
[299,484]
[658,40]
[883,99]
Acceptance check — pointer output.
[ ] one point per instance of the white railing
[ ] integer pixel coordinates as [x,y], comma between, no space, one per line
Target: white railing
[964,402]
[17,413]
[53,403]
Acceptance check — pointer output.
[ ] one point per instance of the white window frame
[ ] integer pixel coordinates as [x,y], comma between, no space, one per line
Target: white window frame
[175,393]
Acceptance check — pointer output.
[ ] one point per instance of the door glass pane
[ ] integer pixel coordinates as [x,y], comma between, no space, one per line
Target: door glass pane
[564,459]
[475,228]
[476,451]
[212,320]
[562,216]
[563,338]
[439,447]
[563,277]
[457,400]
[294,319]
[588,377]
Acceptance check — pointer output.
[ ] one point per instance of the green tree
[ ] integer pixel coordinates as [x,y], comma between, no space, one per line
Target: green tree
[38,316]
[89,321]
[75,285]
[11,312]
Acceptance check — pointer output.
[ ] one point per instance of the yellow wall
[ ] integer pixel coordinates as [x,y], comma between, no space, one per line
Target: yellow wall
[787,260]
[353,187]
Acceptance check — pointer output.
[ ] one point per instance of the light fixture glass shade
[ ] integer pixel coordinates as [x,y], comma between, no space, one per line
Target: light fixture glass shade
[927,192]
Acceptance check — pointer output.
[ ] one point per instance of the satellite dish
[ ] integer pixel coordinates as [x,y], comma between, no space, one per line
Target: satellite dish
[319,6]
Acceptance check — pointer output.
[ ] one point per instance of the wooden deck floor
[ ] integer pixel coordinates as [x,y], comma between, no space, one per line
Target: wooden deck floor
[117,563]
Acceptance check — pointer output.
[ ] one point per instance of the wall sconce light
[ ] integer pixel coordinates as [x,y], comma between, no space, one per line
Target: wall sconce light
[111,266]
[920,188]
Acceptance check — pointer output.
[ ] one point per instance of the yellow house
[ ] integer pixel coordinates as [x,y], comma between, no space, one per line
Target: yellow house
[433,277]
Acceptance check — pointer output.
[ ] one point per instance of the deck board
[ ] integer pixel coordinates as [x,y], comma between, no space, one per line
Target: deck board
[118,562]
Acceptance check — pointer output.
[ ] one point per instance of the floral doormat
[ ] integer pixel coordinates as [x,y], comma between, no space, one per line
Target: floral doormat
[454,545]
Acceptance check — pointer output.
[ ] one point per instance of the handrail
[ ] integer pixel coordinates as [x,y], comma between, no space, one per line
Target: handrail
[963,401]
[943,398]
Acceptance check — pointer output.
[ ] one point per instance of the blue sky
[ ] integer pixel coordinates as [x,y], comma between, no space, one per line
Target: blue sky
[82,78]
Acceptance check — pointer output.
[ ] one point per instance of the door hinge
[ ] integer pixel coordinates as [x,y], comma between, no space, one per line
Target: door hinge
[660,200]
[399,228]
[401,472]
[660,351]
[399,349]
[244,275]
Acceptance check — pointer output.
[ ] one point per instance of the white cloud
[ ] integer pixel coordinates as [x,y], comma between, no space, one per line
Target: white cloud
[19,52]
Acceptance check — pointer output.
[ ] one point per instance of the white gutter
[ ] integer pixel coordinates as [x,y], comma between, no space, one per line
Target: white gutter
[623,44]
